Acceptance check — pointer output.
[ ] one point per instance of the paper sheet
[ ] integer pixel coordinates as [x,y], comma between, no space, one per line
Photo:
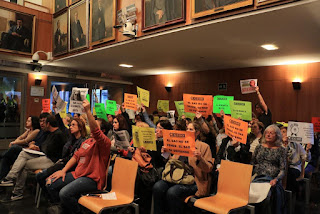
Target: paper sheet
[258,192]
[109,196]
[33,152]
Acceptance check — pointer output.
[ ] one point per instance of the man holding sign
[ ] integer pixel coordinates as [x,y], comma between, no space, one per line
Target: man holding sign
[263,112]
[199,158]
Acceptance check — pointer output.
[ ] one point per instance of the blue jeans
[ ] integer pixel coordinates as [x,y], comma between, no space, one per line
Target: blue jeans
[171,196]
[70,190]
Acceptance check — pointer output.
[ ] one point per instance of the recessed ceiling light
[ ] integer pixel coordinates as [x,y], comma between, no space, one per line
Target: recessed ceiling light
[269,47]
[126,65]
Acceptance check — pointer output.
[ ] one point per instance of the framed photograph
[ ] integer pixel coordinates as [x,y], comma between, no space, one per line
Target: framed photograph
[60,34]
[17,31]
[71,2]
[60,5]
[102,20]
[201,8]
[78,26]
[159,13]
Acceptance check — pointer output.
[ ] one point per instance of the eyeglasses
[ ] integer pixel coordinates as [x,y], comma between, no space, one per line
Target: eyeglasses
[271,133]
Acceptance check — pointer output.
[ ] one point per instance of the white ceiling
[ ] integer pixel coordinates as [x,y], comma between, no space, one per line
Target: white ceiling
[231,42]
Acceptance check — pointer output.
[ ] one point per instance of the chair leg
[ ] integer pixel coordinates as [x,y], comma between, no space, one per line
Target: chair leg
[152,206]
[307,191]
[289,199]
[136,208]
[37,192]
[39,198]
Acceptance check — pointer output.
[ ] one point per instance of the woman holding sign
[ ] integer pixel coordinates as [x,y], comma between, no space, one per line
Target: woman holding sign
[169,195]
[269,161]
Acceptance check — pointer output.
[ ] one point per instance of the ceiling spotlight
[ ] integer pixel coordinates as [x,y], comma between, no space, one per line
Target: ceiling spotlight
[269,47]
[126,65]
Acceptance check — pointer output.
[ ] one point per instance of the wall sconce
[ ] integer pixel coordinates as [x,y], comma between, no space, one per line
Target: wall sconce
[37,81]
[296,85]
[168,88]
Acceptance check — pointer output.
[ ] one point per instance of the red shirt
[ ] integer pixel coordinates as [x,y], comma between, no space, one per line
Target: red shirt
[92,158]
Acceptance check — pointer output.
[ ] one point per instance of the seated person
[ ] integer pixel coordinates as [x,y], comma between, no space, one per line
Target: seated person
[15,147]
[51,147]
[170,195]
[90,173]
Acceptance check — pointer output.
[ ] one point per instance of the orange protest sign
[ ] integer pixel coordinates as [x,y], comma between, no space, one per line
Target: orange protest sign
[201,103]
[235,128]
[46,105]
[130,101]
[179,142]
[316,124]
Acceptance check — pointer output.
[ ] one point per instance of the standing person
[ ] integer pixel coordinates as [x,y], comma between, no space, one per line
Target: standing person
[77,36]
[257,129]
[15,147]
[263,112]
[90,173]
[52,148]
[170,195]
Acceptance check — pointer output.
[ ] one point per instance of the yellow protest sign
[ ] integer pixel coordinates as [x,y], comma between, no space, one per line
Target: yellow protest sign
[63,112]
[143,96]
[143,136]
[179,142]
[163,105]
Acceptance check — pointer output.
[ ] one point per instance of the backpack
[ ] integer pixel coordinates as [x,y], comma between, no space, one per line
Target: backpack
[178,172]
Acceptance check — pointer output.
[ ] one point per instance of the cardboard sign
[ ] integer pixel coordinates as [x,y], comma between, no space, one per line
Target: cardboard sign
[248,86]
[88,97]
[145,137]
[221,102]
[143,96]
[76,98]
[241,109]
[179,142]
[180,109]
[130,101]
[46,105]
[111,107]
[60,104]
[163,105]
[200,103]
[235,128]
[300,132]
[316,124]
[100,111]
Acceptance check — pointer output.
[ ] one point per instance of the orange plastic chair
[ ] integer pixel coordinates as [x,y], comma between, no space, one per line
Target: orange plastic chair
[233,189]
[123,184]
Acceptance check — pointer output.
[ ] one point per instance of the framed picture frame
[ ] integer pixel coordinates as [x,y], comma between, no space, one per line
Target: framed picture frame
[17,31]
[160,13]
[59,5]
[200,8]
[60,34]
[71,2]
[102,20]
[78,27]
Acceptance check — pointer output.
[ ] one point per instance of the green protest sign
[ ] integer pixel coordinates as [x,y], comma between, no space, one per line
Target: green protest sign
[101,111]
[111,107]
[180,109]
[241,109]
[88,97]
[221,102]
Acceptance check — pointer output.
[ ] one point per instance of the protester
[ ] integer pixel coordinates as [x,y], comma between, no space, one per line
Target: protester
[90,173]
[263,112]
[171,195]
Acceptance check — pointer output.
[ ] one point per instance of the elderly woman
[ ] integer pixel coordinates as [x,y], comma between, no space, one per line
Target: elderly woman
[269,161]
[170,195]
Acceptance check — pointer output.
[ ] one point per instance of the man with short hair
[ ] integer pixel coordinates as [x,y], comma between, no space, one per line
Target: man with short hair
[263,112]
[28,160]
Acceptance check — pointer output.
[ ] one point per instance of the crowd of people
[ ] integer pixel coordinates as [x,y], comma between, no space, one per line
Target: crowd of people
[73,155]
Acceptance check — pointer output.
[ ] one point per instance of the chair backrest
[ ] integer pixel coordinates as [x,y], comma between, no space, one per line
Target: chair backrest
[106,182]
[124,177]
[234,179]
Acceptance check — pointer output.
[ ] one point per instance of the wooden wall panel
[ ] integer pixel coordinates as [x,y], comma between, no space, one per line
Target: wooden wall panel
[274,82]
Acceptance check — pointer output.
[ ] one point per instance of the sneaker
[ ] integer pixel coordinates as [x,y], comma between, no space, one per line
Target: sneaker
[15,197]
[6,183]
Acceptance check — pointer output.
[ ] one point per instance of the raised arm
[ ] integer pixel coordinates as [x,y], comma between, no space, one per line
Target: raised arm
[146,117]
[261,100]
